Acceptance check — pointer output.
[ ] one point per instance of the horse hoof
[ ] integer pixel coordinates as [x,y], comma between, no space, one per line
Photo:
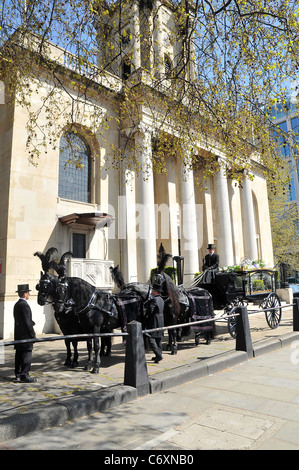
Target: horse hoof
[95,370]
[88,367]
[108,353]
[74,365]
[68,363]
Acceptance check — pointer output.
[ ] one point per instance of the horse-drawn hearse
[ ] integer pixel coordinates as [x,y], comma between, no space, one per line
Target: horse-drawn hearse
[80,308]
[232,289]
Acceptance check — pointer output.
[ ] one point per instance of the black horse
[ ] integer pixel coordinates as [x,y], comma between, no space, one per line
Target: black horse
[96,311]
[175,306]
[65,317]
[181,305]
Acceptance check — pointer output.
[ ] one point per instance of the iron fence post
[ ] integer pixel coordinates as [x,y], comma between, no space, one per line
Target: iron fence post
[135,364]
[243,335]
[296,314]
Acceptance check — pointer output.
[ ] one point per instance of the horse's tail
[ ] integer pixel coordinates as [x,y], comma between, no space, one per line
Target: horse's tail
[45,259]
[117,277]
[173,293]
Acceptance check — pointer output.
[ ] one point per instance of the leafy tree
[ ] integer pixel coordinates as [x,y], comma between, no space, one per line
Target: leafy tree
[284,224]
[214,96]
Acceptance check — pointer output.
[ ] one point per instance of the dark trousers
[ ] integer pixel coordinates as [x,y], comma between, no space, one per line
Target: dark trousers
[22,363]
[156,346]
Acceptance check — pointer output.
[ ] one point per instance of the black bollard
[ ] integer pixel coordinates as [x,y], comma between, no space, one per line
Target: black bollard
[295,314]
[135,366]
[243,335]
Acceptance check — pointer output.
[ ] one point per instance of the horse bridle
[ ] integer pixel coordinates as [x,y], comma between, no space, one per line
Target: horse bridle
[41,283]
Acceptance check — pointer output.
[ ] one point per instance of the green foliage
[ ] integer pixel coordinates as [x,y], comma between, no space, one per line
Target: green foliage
[169,270]
[258,284]
[227,57]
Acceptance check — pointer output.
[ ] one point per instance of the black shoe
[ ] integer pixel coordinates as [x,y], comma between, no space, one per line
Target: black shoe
[17,380]
[27,380]
[158,359]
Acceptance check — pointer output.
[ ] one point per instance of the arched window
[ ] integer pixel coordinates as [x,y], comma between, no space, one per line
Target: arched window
[74,168]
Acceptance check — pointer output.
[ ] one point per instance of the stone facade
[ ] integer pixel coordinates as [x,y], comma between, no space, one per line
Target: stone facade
[144,212]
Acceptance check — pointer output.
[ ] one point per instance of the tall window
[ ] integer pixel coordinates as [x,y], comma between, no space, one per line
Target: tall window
[74,168]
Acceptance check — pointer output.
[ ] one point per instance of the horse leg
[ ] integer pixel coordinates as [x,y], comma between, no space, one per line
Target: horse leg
[68,360]
[170,336]
[179,334]
[96,346]
[105,346]
[108,343]
[75,361]
[88,366]
[174,346]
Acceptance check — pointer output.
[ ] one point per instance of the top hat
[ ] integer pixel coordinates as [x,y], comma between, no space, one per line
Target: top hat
[211,246]
[23,288]
[158,282]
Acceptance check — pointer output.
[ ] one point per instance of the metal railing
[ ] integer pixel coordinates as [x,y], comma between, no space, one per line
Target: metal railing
[135,374]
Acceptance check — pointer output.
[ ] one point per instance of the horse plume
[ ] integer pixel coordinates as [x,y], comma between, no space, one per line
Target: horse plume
[60,267]
[45,259]
[162,259]
[117,277]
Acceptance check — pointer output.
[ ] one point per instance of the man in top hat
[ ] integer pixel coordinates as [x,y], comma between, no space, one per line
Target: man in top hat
[210,264]
[23,330]
[154,318]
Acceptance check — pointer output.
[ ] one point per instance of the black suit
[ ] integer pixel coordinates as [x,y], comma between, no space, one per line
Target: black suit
[154,318]
[23,330]
[210,266]
[211,261]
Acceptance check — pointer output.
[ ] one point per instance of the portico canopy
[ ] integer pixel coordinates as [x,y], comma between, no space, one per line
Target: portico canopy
[93,219]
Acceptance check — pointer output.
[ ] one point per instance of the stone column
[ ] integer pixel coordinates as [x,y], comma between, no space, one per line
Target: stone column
[145,207]
[173,210]
[224,233]
[249,230]
[159,66]
[136,36]
[127,226]
[189,241]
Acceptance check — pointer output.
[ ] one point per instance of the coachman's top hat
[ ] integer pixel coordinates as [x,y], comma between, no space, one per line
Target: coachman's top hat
[23,288]
[211,246]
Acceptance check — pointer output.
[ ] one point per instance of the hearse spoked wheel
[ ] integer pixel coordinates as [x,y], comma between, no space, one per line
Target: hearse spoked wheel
[273,317]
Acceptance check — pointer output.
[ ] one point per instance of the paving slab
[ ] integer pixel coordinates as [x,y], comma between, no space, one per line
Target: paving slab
[62,394]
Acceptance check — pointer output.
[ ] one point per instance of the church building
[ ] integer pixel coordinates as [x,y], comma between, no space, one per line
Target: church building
[105,214]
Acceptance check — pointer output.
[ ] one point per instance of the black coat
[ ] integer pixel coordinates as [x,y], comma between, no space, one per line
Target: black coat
[23,325]
[211,261]
[154,317]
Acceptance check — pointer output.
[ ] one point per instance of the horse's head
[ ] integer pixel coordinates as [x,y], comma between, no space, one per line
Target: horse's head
[62,302]
[46,288]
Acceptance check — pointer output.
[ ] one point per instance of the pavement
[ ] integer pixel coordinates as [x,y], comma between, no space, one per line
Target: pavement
[61,395]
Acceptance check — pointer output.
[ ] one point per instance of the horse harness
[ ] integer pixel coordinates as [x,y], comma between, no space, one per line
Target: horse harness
[120,304]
